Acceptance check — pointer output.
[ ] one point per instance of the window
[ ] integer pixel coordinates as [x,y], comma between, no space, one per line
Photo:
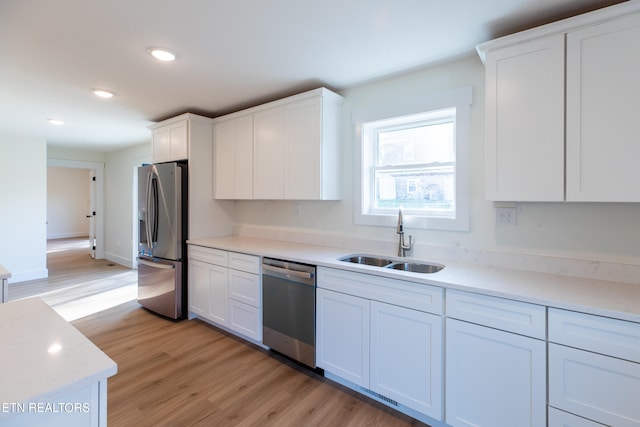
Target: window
[417,162]
[412,164]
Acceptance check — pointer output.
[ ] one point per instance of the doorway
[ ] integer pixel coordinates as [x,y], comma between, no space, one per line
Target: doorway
[94,212]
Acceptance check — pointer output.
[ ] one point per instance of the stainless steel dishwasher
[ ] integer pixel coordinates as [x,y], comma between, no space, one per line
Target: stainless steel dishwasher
[289,309]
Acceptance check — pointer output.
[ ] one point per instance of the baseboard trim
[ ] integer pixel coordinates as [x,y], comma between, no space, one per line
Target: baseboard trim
[70,235]
[25,276]
[126,262]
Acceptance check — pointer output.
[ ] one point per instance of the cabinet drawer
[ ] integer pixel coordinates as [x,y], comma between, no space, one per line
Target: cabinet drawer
[245,287]
[407,294]
[500,313]
[209,255]
[559,418]
[617,338]
[597,387]
[244,262]
[245,319]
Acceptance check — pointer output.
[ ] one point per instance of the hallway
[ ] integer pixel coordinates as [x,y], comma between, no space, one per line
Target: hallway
[78,285]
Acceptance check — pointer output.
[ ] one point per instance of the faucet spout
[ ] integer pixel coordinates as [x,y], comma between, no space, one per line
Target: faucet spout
[402,246]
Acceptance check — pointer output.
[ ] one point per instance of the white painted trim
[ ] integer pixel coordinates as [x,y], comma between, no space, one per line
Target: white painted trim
[66,235]
[28,275]
[98,169]
[460,98]
[563,26]
[124,261]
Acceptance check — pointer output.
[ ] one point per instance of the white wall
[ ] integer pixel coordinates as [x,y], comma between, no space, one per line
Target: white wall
[602,232]
[68,202]
[119,204]
[23,187]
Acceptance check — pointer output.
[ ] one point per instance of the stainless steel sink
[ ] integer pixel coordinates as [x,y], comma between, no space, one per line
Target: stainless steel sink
[416,267]
[366,259]
[395,264]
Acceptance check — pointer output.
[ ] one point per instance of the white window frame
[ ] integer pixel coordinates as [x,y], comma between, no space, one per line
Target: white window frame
[461,100]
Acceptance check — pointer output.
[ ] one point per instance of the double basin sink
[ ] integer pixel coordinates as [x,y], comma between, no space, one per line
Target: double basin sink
[412,266]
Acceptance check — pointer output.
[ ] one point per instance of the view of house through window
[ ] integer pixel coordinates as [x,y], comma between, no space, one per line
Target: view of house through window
[411,164]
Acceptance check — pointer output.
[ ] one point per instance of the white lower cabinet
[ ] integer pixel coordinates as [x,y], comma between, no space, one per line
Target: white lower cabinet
[225,288]
[406,357]
[245,295]
[208,291]
[559,418]
[494,377]
[393,351]
[594,368]
[342,346]
[245,320]
[197,288]
[208,284]
[217,293]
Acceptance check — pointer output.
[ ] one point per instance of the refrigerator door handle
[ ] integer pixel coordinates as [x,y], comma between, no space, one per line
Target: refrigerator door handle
[154,219]
[151,214]
[156,265]
[146,212]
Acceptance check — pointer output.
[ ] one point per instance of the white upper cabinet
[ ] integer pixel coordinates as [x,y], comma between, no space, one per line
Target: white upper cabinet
[233,158]
[525,121]
[180,137]
[170,142]
[294,153]
[304,140]
[603,103]
[269,148]
[530,91]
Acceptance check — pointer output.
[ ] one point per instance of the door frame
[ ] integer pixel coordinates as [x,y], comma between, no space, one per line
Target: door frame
[98,171]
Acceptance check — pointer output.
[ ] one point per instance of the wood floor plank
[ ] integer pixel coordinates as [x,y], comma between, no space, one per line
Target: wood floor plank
[190,373]
[77,284]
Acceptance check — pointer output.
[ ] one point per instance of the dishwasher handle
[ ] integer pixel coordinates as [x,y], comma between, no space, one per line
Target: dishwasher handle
[286,273]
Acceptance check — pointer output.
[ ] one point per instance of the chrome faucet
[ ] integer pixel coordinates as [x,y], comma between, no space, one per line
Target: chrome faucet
[402,247]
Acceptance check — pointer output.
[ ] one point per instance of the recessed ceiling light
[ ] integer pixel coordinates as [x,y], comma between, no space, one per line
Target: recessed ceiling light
[103,93]
[56,122]
[161,54]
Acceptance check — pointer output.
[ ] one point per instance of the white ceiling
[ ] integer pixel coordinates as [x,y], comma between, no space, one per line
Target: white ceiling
[231,54]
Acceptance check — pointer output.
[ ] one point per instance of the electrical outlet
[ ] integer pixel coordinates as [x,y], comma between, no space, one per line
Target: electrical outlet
[506,216]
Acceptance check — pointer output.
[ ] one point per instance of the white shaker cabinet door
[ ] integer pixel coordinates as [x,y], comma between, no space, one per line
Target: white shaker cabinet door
[597,387]
[494,378]
[217,293]
[342,336]
[559,418]
[603,100]
[268,151]
[525,121]
[245,320]
[233,158]
[170,142]
[406,357]
[303,151]
[197,279]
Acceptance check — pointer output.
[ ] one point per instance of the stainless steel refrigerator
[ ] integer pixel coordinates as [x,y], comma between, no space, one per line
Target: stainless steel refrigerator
[162,231]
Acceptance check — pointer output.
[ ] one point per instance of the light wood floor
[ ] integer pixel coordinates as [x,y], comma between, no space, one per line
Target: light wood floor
[187,373]
[77,284]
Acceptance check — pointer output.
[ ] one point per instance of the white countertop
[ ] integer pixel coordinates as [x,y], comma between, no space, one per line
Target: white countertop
[612,299]
[30,366]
